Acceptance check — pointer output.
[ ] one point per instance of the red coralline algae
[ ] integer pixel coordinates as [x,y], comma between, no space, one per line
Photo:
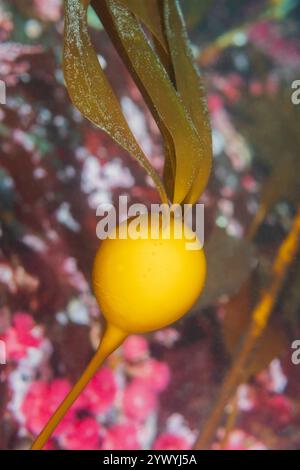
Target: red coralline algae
[100,393]
[154,374]
[135,348]
[22,335]
[169,441]
[81,434]
[41,401]
[121,436]
[138,400]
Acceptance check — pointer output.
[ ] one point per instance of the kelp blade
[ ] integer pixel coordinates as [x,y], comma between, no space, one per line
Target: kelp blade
[190,88]
[149,14]
[164,98]
[90,90]
[105,15]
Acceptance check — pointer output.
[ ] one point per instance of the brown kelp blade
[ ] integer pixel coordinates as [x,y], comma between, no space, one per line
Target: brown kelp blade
[189,86]
[148,13]
[104,14]
[163,95]
[90,90]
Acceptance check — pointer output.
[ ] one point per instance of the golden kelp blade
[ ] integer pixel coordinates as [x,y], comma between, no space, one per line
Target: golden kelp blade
[190,88]
[90,90]
[104,13]
[164,98]
[149,14]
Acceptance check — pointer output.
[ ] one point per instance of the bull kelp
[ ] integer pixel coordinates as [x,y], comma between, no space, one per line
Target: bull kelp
[132,279]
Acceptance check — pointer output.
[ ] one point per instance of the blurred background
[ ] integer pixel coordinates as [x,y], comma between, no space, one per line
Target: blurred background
[157,391]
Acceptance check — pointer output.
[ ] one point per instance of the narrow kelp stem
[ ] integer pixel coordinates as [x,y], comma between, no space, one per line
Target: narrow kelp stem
[111,340]
[259,321]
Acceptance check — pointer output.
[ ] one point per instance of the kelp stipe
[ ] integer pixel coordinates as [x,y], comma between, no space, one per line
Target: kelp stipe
[111,340]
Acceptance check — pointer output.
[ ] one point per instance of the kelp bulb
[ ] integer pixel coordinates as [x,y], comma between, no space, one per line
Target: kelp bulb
[147,282]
